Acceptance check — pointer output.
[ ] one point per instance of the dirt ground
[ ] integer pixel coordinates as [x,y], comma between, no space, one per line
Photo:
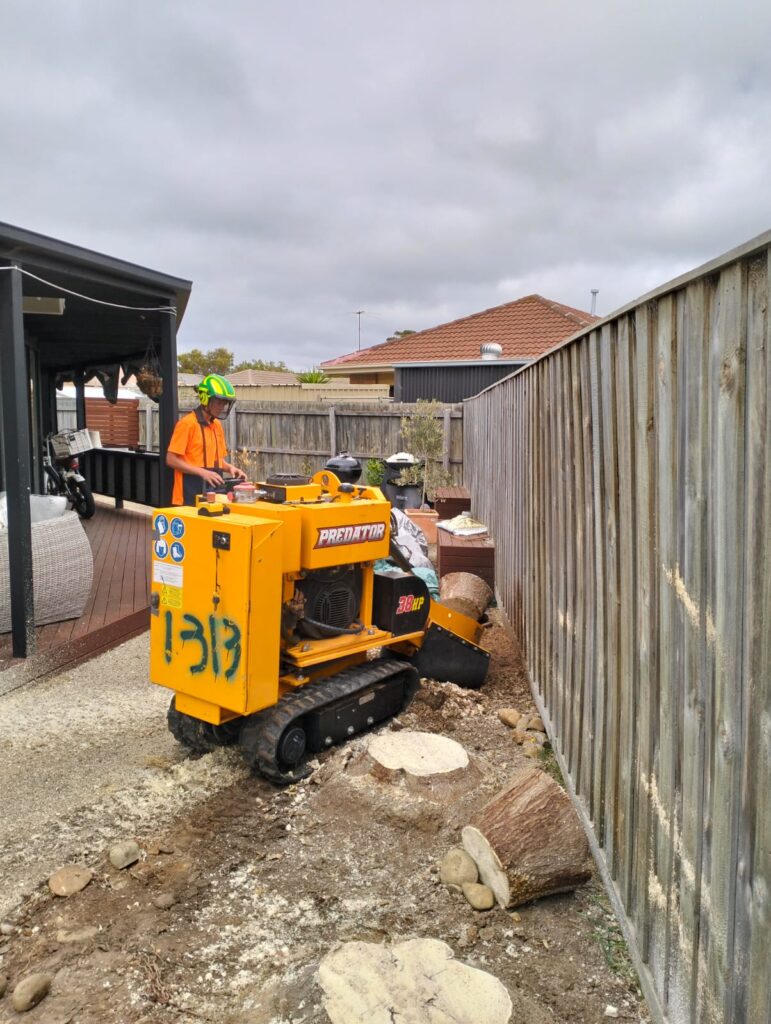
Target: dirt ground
[242,888]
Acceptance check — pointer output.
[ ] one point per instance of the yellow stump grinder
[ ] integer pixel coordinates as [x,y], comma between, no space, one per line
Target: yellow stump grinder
[271,626]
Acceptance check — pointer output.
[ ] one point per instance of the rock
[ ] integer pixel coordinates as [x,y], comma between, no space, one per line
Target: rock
[610,1011]
[509,717]
[3,985]
[536,722]
[30,991]
[539,738]
[69,879]
[531,750]
[479,896]
[457,867]
[123,854]
[468,935]
[519,736]
[413,981]
[77,934]
[164,900]
[6,928]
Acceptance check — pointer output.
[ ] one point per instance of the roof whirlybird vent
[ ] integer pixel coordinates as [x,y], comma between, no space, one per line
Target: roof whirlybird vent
[490,350]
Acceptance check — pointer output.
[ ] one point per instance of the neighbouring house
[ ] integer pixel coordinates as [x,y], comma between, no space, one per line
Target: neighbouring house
[458,359]
[283,386]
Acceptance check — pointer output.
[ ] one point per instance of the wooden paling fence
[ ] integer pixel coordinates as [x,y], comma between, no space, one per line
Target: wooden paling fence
[299,437]
[626,478]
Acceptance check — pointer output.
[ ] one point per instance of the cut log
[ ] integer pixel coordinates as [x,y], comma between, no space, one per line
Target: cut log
[528,842]
[465,593]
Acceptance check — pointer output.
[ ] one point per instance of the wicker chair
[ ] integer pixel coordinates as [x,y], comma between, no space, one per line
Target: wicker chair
[62,567]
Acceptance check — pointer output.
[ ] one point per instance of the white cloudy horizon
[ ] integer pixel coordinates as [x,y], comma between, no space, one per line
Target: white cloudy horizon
[420,162]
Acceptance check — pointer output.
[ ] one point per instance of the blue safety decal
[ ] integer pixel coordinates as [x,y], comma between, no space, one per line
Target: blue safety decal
[177,528]
[177,551]
[161,525]
[161,548]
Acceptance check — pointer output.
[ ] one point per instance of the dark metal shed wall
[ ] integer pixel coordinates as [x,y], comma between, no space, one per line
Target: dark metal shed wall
[448,383]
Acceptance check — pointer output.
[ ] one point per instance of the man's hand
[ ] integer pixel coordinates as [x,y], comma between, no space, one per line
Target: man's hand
[235,471]
[211,478]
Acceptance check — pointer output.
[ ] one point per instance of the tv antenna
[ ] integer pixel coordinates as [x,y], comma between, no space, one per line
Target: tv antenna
[359,313]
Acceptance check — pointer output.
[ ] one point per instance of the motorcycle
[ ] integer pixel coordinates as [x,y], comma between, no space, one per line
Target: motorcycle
[63,477]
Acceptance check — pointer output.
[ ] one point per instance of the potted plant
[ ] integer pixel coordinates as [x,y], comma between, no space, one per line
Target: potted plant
[424,436]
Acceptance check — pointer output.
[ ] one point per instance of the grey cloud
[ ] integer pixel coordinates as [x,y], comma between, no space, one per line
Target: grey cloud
[422,161]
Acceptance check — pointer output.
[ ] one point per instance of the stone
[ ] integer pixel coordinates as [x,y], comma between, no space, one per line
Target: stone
[509,717]
[84,934]
[468,935]
[531,750]
[164,900]
[610,1011]
[413,982]
[125,853]
[519,736]
[69,879]
[479,896]
[457,867]
[6,928]
[30,991]
[538,738]
[536,722]
[3,985]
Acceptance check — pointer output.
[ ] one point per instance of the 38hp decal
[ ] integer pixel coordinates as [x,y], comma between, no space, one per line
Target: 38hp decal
[334,536]
[409,603]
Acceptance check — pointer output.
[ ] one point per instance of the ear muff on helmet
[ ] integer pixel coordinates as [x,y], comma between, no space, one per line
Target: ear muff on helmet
[215,386]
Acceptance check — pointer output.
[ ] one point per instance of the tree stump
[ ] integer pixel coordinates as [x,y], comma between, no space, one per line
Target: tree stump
[528,842]
[465,593]
[427,764]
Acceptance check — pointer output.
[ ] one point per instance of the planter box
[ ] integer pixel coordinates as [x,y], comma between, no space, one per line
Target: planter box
[426,519]
[451,501]
[466,554]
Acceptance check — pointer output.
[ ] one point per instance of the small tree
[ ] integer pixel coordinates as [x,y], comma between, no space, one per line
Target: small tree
[424,437]
[375,472]
[216,360]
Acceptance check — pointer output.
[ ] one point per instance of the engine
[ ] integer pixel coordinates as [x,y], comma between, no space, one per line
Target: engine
[329,602]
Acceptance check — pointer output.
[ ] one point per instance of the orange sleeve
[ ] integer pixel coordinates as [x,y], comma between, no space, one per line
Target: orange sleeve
[180,438]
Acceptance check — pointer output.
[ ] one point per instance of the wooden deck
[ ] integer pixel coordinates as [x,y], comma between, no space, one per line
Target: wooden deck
[117,607]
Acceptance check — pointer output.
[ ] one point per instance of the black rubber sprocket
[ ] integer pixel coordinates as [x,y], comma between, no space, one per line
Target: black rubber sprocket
[261,733]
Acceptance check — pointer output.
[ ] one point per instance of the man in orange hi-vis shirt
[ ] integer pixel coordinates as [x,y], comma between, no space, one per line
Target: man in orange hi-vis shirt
[197,450]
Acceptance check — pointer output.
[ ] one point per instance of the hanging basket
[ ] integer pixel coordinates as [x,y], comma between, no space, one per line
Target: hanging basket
[149,382]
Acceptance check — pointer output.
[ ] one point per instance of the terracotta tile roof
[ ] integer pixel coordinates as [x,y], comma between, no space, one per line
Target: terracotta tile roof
[524,329]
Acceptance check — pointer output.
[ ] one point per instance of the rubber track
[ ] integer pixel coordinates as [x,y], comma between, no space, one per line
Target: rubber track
[262,732]
[198,736]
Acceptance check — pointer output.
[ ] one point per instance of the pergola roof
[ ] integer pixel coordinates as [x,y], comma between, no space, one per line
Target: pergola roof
[87,333]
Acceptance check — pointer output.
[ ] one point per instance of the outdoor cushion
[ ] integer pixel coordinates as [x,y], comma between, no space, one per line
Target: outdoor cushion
[62,568]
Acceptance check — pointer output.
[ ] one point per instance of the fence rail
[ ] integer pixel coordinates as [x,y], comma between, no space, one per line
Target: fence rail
[275,437]
[631,510]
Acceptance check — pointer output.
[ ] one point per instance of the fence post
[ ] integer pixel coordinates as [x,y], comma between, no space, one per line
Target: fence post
[231,433]
[149,428]
[332,432]
[446,439]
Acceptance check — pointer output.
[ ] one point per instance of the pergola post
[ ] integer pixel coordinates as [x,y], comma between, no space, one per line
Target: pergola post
[17,469]
[80,401]
[168,407]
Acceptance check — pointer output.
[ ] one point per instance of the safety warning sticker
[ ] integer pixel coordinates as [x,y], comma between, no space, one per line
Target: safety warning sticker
[166,572]
[171,597]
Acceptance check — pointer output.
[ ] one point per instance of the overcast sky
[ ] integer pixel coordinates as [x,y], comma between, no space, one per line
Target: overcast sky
[421,160]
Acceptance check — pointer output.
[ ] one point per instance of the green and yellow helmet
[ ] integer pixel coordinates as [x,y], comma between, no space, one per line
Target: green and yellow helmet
[215,386]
